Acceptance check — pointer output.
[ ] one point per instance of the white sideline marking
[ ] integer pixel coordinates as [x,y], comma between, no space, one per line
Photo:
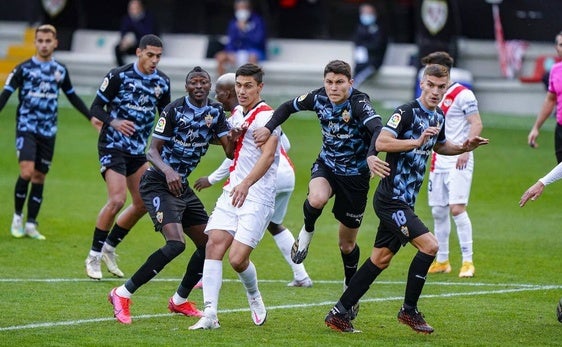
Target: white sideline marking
[521,288]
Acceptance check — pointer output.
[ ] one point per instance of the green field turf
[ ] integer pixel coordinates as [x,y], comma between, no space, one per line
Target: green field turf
[47,300]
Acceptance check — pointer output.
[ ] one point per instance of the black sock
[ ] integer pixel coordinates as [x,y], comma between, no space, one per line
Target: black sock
[116,235]
[193,273]
[311,214]
[20,194]
[350,262]
[416,278]
[358,285]
[99,239]
[154,264]
[34,202]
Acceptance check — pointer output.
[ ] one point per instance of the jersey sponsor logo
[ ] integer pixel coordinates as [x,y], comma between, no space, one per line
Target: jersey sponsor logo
[345,116]
[104,84]
[160,125]
[208,120]
[434,15]
[394,120]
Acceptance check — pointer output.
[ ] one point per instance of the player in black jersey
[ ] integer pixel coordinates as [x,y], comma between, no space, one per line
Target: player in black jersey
[350,126]
[126,103]
[413,130]
[39,81]
[181,137]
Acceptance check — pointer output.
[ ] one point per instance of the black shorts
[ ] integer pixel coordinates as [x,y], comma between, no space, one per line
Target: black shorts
[165,208]
[350,194]
[36,148]
[398,223]
[122,163]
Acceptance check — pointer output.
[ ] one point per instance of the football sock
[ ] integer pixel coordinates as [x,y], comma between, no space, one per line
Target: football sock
[311,214]
[212,282]
[350,262]
[20,194]
[358,285]
[193,273]
[99,239]
[442,230]
[284,241]
[34,202]
[151,267]
[116,235]
[123,292]
[464,231]
[416,278]
[249,279]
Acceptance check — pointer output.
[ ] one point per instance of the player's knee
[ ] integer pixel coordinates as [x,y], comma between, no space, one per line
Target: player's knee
[238,262]
[116,203]
[317,200]
[173,248]
[457,209]
[440,213]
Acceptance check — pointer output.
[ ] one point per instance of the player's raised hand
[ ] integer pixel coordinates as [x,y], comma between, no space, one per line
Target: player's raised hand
[473,143]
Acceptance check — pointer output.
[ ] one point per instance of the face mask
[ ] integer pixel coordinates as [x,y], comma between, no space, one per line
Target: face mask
[242,15]
[367,19]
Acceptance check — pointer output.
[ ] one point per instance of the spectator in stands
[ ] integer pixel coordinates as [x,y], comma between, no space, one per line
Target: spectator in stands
[39,80]
[134,25]
[246,39]
[553,98]
[370,45]
[551,61]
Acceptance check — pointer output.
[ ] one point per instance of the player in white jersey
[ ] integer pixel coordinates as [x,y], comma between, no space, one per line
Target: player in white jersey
[450,177]
[282,236]
[246,205]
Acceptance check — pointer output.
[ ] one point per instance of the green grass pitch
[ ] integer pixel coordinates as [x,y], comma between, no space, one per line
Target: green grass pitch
[47,300]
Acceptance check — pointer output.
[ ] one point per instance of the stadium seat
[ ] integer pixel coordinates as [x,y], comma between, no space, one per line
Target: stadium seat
[542,64]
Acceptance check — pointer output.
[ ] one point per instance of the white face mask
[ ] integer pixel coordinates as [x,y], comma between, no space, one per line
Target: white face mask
[242,15]
[367,19]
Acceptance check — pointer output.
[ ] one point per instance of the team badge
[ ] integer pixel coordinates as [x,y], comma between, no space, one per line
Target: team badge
[159,216]
[104,84]
[447,102]
[157,91]
[345,116]
[394,120]
[208,120]
[434,15]
[58,75]
[160,125]
[404,230]
[53,7]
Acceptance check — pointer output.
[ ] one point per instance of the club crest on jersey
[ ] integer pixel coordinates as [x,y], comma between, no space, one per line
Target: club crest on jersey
[208,120]
[159,216]
[58,75]
[394,120]
[404,230]
[345,116]
[434,15]
[160,125]
[447,102]
[157,91]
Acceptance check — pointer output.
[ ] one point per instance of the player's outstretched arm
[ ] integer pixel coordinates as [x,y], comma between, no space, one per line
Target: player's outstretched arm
[533,193]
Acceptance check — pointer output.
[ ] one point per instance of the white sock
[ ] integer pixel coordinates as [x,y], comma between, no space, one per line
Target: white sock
[442,229]
[95,253]
[249,279]
[178,300]
[212,282]
[464,231]
[123,292]
[107,248]
[284,241]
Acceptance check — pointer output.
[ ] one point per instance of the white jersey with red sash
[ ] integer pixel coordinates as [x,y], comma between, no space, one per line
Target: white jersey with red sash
[458,103]
[247,154]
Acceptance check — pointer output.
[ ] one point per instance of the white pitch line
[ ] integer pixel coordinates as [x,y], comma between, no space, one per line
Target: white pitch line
[281,307]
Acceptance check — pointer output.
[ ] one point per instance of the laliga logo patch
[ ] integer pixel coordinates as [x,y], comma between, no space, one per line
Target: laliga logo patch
[159,216]
[301,98]
[208,120]
[345,116]
[157,91]
[404,230]
[394,120]
[104,84]
[160,125]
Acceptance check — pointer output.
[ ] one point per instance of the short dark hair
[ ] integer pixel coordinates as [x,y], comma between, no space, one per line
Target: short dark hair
[440,57]
[338,67]
[195,70]
[436,70]
[252,70]
[150,40]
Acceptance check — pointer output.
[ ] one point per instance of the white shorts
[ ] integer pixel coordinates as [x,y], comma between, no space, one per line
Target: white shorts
[247,223]
[449,188]
[281,205]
